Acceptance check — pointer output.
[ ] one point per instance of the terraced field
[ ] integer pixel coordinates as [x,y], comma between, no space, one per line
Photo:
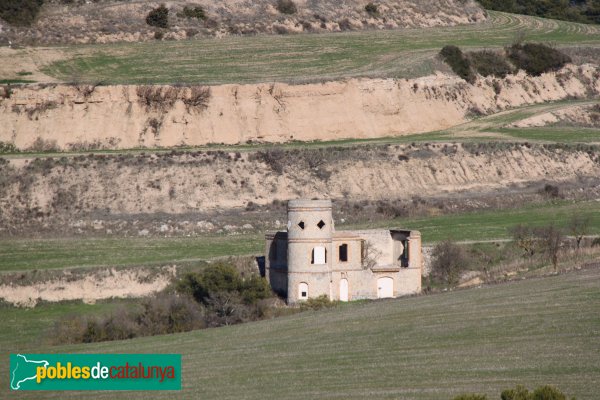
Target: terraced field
[299,58]
[532,332]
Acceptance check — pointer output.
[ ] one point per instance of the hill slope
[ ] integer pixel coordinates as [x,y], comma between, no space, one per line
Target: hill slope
[533,332]
[111,21]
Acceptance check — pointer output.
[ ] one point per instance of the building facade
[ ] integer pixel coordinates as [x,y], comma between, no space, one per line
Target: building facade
[312,259]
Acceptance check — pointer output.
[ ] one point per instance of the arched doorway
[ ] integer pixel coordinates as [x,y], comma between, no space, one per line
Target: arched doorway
[344,290]
[385,287]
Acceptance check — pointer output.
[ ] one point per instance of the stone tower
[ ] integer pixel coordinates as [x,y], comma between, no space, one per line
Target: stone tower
[309,251]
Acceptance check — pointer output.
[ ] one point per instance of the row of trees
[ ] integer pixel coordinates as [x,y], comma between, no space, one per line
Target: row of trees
[449,260]
[549,239]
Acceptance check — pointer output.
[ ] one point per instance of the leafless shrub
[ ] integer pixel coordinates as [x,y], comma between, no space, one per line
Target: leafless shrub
[41,146]
[198,98]
[41,108]
[226,308]
[274,158]
[163,98]
[448,261]
[86,146]
[579,227]
[345,24]
[170,314]
[63,199]
[157,98]
[85,90]
[155,124]
[167,313]
[551,240]
[524,238]
[550,191]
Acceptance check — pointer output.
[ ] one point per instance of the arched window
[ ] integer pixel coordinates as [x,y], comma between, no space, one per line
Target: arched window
[318,256]
[303,291]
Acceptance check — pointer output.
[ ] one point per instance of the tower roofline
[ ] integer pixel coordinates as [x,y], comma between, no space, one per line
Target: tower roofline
[300,204]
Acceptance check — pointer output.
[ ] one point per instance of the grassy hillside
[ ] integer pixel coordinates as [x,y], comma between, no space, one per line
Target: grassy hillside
[576,10]
[533,332]
[40,254]
[293,58]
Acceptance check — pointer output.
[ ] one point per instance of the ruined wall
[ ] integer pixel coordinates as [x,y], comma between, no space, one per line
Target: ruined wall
[122,117]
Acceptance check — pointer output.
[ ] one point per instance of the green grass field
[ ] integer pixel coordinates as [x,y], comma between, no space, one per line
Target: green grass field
[23,254]
[41,254]
[532,332]
[24,329]
[298,58]
[494,127]
[555,134]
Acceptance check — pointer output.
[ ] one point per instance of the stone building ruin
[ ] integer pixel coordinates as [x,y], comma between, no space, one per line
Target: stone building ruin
[312,259]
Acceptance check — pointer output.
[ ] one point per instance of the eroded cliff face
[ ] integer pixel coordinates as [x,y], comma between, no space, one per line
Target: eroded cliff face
[71,191]
[123,117]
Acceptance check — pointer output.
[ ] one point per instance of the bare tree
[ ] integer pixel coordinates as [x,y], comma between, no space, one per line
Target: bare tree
[225,308]
[449,260]
[579,226]
[550,240]
[525,238]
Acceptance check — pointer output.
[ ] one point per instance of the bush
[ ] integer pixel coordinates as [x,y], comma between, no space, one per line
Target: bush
[548,393]
[169,314]
[317,303]
[460,64]
[372,9]
[537,58]
[158,17]
[223,278]
[20,12]
[448,261]
[196,12]
[7,147]
[470,397]
[286,7]
[489,63]
[161,315]
[519,393]
[551,191]
[541,393]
